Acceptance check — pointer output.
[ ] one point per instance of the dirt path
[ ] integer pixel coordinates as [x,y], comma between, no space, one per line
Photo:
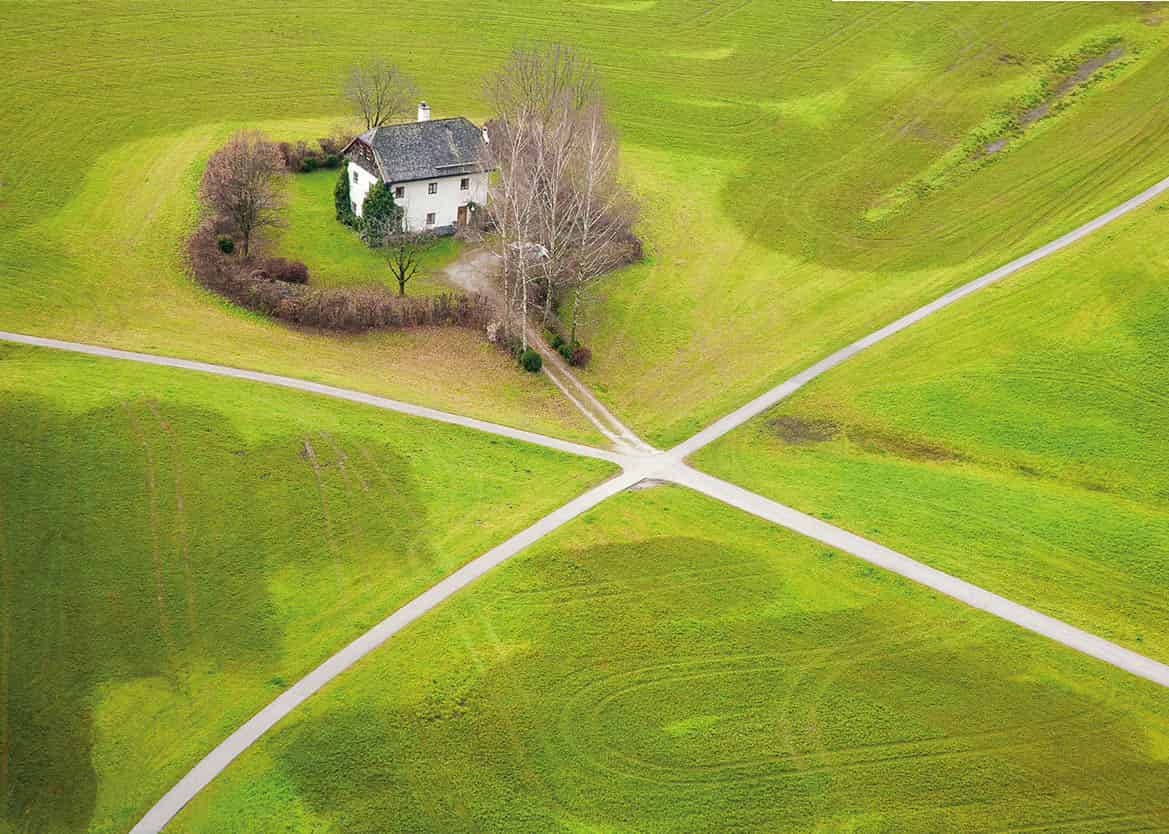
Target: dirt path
[476,271]
[638,466]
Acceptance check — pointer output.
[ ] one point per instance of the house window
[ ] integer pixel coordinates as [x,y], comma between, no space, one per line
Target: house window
[465,184]
[432,188]
[355,175]
[399,192]
[430,218]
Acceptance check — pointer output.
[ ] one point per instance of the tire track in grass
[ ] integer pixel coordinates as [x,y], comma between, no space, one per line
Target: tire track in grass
[181,522]
[309,454]
[5,646]
[156,560]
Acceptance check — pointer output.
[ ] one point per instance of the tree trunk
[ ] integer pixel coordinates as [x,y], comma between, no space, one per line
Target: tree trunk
[575,305]
[524,314]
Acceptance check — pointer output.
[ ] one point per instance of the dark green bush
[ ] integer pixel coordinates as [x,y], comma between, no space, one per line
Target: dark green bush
[531,361]
[379,210]
[556,341]
[341,201]
[566,350]
[226,245]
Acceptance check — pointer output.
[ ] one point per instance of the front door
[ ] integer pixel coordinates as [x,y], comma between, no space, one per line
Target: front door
[462,221]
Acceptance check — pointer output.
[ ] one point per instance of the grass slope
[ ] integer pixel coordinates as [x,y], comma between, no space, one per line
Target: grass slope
[175,549]
[765,194]
[1016,439]
[774,144]
[667,664]
[336,254]
[108,268]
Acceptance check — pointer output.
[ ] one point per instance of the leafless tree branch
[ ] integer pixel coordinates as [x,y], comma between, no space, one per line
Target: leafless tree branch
[242,183]
[379,93]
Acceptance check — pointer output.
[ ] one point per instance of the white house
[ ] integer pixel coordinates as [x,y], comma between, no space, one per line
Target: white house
[437,168]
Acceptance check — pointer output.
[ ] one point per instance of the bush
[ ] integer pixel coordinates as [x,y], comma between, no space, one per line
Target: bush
[333,145]
[557,341]
[531,361]
[566,350]
[379,210]
[341,201]
[226,245]
[294,155]
[310,163]
[581,356]
[248,282]
[290,272]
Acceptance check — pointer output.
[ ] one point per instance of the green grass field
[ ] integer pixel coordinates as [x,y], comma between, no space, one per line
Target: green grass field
[666,664]
[1016,439]
[774,146]
[335,254]
[773,196]
[177,548]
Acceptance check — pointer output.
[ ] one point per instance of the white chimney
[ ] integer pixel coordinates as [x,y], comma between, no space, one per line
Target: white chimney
[423,111]
[486,138]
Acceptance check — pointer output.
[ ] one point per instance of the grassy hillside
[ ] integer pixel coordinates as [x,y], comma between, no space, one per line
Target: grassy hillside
[1016,439]
[806,171]
[814,181]
[175,549]
[666,664]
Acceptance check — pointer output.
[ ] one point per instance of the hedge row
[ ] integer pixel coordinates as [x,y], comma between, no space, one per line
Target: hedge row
[347,309]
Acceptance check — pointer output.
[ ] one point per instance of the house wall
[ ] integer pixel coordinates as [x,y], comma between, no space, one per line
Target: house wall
[418,202]
[360,181]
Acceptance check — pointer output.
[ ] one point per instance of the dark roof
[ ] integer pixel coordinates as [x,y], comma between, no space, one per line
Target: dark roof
[424,150]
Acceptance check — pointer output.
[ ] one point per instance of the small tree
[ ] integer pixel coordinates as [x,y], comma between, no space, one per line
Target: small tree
[242,184]
[379,93]
[403,250]
[342,201]
[380,215]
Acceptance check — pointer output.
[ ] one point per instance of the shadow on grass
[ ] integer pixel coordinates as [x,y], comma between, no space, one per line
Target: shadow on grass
[676,684]
[139,541]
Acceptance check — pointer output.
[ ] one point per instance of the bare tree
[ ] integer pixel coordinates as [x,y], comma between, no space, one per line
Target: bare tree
[603,211]
[242,183]
[541,81]
[403,250]
[557,193]
[513,208]
[379,93]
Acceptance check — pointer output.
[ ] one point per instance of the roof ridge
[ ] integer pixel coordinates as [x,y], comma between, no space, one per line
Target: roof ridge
[432,121]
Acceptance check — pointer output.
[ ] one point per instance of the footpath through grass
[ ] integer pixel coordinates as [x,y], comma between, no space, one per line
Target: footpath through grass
[667,664]
[176,549]
[1016,440]
[335,254]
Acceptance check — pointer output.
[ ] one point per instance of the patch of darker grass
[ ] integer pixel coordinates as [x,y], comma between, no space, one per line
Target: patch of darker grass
[798,431]
[136,542]
[888,443]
